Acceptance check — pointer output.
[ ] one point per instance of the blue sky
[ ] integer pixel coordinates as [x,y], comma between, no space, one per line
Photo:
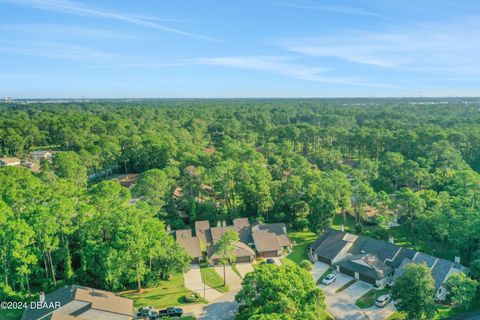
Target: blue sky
[243,48]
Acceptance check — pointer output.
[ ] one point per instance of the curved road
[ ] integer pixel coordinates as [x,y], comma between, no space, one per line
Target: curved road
[223,308]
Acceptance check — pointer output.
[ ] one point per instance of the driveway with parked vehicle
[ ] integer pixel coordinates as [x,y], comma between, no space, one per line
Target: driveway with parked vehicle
[342,304]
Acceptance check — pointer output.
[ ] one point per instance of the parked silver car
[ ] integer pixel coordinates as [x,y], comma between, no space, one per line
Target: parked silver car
[382,301]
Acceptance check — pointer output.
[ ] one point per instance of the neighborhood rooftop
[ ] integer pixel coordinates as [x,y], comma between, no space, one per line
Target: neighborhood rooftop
[78,302]
[376,261]
[263,239]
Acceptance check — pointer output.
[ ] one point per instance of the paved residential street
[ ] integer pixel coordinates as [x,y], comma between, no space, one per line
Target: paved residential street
[193,281]
[375,313]
[194,310]
[223,308]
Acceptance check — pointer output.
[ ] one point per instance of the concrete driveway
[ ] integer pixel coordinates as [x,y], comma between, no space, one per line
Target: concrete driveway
[319,269]
[342,305]
[193,281]
[341,280]
[376,313]
[233,280]
[224,308]
[355,291]
[344,309]
[244,268]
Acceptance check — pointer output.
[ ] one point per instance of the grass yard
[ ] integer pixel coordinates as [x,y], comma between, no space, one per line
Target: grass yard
[234,268]
[325,315]
[167,294]
[326,273]
[397,316]
[213,279]
[10,314]
[444,312]
[302,240]
[368,299]
[346,285]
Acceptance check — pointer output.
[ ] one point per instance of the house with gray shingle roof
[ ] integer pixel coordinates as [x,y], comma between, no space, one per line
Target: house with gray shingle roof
[366,267]
[375,261]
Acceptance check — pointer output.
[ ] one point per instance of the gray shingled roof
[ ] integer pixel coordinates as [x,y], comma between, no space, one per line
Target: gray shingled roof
[425,258]
[313,246]
[366,264]
[440,271]
[277,228]
[245,235]
[383,249]
[331,245]
[402,255]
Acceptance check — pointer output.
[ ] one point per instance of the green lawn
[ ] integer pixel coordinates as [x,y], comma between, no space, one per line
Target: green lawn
[213,279]
[326,273]
[302,240]
[443,312]
[10,314]
[234,268]
[167,294]
[368,299]
[325,315]
[397,316]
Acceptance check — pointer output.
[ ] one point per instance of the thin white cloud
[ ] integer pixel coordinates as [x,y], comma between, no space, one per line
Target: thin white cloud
[336,9]
[54,50]
[447,47]
[64,32]
[285,66]
[72,7]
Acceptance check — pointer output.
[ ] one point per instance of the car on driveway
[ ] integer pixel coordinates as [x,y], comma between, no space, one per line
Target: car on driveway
[147,313]
[382,301]
[330,278]
[270,261]
[171,312]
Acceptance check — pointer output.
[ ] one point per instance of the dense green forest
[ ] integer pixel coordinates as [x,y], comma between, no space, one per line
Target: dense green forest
[295,161]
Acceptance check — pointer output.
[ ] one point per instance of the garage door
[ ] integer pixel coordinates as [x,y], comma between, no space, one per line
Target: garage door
[347,272]
[243,259]
[269,254]
[367,279]
[324,260]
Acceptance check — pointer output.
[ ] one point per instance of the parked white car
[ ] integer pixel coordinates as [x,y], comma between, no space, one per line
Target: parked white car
[382,301]
[330,278]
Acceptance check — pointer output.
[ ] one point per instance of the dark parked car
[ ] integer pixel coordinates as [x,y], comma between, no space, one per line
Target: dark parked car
[171,312]
[270,261]
[147,312]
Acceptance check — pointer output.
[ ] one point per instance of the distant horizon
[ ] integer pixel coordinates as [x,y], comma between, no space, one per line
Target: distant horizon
[13,99]
[254,49]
